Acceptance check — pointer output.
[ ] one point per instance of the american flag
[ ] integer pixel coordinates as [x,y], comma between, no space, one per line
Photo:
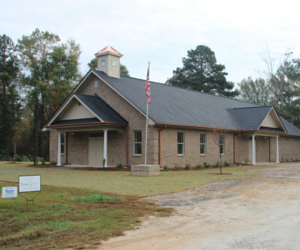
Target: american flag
[147,87]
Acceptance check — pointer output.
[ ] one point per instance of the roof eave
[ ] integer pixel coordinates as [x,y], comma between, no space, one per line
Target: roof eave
[85,124]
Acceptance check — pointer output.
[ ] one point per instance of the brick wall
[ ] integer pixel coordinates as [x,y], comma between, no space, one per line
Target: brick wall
[116,140]
[78,148]
[192,148]
[78,145]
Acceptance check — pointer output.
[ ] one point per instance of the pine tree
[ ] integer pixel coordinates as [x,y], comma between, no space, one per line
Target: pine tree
[201,72]
[9,99]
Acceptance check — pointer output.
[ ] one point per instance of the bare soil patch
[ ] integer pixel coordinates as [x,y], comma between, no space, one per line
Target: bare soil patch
[255,213]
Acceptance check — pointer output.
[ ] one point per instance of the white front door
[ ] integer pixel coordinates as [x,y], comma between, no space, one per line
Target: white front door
[96,151]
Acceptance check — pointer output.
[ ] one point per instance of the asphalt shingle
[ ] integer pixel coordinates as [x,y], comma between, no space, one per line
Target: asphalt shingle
[101,108]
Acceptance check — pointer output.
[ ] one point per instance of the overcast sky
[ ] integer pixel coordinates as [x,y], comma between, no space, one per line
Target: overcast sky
[163,31]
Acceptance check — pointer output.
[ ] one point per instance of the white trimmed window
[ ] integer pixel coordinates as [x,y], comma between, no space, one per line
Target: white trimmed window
[180,143]
[62,143]
[202,144]
[137,142]
[222,144]
[102,62]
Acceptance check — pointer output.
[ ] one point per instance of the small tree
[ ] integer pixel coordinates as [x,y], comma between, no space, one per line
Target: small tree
[219,140]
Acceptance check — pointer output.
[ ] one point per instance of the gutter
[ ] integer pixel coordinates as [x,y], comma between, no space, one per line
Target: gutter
[89,123]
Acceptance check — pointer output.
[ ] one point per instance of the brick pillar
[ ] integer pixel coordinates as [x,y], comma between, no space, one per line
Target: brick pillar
[58,149]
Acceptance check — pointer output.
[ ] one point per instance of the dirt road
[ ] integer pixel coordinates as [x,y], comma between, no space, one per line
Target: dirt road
[260,213]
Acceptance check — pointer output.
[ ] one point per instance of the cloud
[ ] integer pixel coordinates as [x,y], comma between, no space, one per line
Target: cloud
[162,31]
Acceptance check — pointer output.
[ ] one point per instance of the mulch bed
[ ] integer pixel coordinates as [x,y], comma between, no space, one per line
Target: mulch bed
[102,169]
[42,166]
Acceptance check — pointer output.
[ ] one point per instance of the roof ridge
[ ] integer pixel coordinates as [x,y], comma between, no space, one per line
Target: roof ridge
[261,106]
[184,89]
[110,107]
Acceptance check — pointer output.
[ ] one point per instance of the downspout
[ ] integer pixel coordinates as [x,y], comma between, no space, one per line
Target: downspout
[159,144]
[127,146]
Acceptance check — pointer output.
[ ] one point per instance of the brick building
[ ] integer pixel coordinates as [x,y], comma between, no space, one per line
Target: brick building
[105,116]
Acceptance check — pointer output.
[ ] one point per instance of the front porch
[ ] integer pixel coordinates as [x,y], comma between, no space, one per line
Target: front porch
[92,146]
[262,147]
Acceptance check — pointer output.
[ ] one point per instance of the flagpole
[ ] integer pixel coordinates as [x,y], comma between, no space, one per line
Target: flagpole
[146,135]
[146,141]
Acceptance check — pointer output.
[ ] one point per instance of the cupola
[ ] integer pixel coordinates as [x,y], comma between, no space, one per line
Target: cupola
[108,61]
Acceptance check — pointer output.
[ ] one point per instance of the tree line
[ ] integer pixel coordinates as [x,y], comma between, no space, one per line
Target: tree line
[39,71]
[278,86]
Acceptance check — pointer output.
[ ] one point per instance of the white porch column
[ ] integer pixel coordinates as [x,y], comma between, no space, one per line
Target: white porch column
[277,150]
[105,148]
[253,150]
[58,149]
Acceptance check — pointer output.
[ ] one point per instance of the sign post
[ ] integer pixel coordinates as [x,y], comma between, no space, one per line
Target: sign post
[29,183]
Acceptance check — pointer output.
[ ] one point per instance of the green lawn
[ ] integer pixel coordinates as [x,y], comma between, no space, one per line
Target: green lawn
[69,217]
[76,208]
[122,182]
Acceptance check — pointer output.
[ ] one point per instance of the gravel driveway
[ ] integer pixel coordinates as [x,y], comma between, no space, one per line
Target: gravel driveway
[258,213]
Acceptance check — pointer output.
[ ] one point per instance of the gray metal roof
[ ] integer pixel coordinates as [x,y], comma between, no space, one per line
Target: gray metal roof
[178,106]
[101,108]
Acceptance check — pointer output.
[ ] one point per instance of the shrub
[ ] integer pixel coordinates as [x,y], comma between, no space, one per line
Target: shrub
[4,155]
[165,167]
[247,161]
[43,161]
[227,164]
[286,159]
[292,160]
[206,164]
[177,166]
[283,158]
[120,165]
[35,160]
[20,158]
[187,165]
[217,164]
[237,163]
[53,162]
[199,166]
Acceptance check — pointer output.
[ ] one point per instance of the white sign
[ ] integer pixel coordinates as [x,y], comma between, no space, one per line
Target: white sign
[29,183]
[9,192]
